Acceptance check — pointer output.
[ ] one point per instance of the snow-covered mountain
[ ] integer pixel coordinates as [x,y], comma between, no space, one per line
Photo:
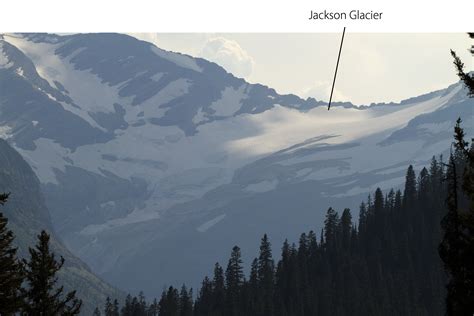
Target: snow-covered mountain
[158,163]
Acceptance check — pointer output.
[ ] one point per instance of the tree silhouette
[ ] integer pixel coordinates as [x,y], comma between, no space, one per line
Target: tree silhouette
[43,296]
[11,271]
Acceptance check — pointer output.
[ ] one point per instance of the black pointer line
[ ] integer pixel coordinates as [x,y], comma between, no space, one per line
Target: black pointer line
[337,65]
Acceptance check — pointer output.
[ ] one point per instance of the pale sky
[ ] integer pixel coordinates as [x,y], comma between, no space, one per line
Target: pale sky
[374,67]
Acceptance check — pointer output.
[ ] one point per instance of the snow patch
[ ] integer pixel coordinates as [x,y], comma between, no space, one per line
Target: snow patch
[107,204]
[156,77]
[136,216]
[204,227]
[86,90]
[5,62]
[230,101]
[263,186]
[199,117]
[19,71]
[47,157]
[5,132]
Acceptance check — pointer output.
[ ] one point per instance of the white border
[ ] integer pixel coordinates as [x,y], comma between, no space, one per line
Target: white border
[230,16]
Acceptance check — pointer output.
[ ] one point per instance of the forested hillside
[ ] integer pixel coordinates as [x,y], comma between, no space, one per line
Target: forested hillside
[388,264]
[409,254]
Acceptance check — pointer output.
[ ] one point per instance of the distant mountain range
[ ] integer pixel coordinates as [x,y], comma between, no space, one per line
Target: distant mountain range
[150,159]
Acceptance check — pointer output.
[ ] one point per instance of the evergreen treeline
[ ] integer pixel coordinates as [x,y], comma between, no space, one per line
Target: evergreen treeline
[29,287]
[457,247]
[388,265]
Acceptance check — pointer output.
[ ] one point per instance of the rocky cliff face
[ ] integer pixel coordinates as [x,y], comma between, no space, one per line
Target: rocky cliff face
[28,215]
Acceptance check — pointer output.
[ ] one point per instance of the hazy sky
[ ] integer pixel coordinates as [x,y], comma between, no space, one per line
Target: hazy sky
[374,67]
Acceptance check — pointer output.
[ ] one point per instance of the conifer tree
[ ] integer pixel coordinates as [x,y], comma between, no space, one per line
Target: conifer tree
[96,312]
[115,309]
[108,308]
[153,309]
[410,194]
[331,224]
[234,281]
[465,77]
[127,309]
[43,296]
[346,228]
[11,271]
[169,302]
[111,309]
[266,270]
[218,287]
[362,217]
[185,302]
[141,305]
[254,297]
[204,301]
[457,247]
[378,201]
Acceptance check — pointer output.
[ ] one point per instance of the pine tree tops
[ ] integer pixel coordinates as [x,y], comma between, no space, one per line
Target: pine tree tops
[266,277]
[11,269]
[111,309]
[43,296]
[457,246]
[30,287]
[410,193]
[346,228]
[172,303]
[465,77]
[377,268]
[234,276]
[331,224]
[234,273]
[169,302]
[266,265]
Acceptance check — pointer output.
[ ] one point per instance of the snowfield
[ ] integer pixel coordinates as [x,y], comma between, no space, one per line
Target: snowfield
[148,147]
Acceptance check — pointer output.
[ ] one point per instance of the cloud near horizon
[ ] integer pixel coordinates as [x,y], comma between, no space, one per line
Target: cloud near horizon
[321,91]
[230,55]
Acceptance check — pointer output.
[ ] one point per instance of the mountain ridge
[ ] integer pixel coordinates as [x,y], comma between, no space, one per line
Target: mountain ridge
[157,149]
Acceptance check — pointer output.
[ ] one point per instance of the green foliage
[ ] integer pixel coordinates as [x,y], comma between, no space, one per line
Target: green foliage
[389,265]
[457,247]
[234,280]
[96,312]
[11,271]
[465,77]
[42,295]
